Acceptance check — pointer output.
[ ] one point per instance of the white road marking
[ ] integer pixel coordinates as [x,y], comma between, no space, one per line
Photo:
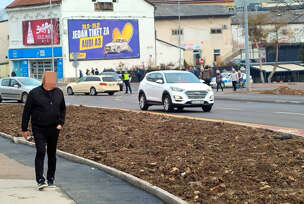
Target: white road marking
[290,113]
[226,108]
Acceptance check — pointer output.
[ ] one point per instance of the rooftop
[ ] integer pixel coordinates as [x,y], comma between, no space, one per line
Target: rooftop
[24,3]
[165,11]
[290,17]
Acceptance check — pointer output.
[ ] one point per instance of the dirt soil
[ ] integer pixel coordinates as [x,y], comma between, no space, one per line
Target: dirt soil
[201,162]
[284,90]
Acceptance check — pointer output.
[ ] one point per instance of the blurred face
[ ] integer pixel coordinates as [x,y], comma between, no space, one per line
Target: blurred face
[49,80]
[233,70]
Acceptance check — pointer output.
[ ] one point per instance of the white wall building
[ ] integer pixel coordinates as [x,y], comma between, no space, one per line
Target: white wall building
[100,35]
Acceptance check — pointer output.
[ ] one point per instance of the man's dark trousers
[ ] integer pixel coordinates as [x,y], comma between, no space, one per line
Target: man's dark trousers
[45,136]
[128,86]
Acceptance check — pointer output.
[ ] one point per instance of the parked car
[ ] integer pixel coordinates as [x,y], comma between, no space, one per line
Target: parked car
[93,85]
[116,77]
[174,89]
[17,88]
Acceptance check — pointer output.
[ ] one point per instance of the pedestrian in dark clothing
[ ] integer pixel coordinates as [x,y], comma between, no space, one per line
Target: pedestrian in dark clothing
[80,74]
[45,106]
[218,81]
[126,79]
[197,72]
[96,72]
[92,71]
[88,72]
[13,74]
[207,75]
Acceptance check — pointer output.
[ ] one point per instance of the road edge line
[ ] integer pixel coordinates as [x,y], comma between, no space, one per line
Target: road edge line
[258,101]
[133,180]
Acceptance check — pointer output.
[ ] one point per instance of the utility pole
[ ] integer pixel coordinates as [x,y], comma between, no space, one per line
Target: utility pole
[52,37]
[179,34]
[248,88]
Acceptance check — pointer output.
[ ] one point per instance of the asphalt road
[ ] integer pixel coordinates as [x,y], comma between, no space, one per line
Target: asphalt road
[284,115]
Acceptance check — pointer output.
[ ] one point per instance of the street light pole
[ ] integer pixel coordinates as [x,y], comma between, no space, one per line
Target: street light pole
[179,34]
[52,37]
[247,45]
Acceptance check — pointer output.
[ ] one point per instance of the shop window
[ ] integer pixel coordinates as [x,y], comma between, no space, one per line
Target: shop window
[177,32]
[216,30]
[103,6]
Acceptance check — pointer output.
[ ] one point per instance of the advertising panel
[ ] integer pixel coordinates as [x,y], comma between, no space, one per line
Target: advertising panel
[103,39]
[38,32]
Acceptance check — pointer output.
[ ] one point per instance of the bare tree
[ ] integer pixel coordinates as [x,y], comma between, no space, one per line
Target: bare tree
[258,35]
[274,33]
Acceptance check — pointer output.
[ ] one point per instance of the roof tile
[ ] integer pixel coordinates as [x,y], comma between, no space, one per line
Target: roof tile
[23,3]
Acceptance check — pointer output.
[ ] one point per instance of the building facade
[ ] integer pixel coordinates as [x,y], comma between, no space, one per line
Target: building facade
[85,35]
[205,30]
[4,67]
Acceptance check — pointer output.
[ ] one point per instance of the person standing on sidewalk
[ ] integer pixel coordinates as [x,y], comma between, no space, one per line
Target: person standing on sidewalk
[45,106]
[234,78]
[218,80]
[126,79]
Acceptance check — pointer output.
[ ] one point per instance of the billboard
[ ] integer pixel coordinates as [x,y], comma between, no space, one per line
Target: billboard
[103,39]
[38,32]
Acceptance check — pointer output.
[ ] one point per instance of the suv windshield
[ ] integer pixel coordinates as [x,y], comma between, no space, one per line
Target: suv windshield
[181,78]
[29,81]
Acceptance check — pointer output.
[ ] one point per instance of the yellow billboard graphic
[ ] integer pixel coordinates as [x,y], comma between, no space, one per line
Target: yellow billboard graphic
[81,55]
[91,43]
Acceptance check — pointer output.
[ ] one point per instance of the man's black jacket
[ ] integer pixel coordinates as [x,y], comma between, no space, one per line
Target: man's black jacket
[45,108]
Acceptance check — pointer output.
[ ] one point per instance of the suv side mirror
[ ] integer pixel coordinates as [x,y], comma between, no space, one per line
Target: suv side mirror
[202,81]
[159,81]
[16,86]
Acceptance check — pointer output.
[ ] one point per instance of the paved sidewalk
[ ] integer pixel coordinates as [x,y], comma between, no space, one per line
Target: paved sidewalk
[81,183]
[17,186]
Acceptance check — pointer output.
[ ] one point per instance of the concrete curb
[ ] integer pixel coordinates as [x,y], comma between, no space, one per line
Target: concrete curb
[154,190]
[220,98]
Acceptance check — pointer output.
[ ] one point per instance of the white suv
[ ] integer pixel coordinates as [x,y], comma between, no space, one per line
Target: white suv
[174,89]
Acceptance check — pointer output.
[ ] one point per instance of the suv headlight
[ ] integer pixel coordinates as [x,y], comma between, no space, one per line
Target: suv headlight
[177,89]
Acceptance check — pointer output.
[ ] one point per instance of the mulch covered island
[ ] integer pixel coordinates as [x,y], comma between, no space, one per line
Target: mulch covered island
[201,162]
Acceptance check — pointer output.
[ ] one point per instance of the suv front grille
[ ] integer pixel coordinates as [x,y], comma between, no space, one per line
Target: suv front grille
[196,94]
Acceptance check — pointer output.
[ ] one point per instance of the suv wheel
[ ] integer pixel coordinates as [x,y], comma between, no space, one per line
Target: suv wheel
[70,91]
[167,104]
[143,102]
[0,99]
[207,108]
[93,92]
[111,93]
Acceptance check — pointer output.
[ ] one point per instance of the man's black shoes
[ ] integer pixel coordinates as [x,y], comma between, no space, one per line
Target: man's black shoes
[42,185]
[51,184]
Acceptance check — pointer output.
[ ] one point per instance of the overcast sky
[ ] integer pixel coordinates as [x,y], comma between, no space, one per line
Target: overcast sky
[3,4]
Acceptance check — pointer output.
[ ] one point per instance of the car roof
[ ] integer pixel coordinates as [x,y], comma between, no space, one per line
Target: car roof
[170,71]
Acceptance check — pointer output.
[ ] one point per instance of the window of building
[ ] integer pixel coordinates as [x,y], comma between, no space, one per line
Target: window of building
[216,30]
[103,6]
[177,31]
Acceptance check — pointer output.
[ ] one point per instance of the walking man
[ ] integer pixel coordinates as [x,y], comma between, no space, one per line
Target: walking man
[218,80]
[234,78]
[45,106]
[126,79]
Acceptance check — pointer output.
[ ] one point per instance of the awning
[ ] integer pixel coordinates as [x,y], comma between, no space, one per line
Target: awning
[281,68]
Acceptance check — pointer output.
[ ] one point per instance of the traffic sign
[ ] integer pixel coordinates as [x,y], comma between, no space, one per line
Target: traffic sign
[201,60]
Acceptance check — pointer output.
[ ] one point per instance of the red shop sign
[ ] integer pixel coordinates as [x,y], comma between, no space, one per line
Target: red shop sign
[38,32]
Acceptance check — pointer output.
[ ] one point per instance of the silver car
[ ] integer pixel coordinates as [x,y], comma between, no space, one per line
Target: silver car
[17,88]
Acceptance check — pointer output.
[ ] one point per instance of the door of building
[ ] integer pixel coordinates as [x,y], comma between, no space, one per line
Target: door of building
[38,67]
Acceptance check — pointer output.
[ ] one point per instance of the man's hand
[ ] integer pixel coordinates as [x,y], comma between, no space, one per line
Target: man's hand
[25,134]
[59,127]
